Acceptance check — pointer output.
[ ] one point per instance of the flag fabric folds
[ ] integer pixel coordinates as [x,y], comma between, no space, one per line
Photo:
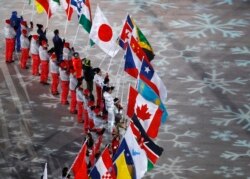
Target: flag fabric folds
[126,32]
[68,9]
[150,77]
[149,114]
[43,4]
[45,172]
[138,155]
[79,167]
[152,150]
[103,165]
[143,43]
[132,63]
[149,94]
[122,169]
[102,34]
[54,5]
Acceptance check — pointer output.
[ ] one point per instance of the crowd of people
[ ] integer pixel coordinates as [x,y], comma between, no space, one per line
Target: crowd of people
[96,108]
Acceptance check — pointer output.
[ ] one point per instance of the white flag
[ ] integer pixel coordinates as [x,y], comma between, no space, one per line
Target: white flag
[102,34]
[45,172]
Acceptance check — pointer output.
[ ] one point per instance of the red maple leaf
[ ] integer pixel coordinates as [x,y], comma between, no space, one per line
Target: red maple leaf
[142,112]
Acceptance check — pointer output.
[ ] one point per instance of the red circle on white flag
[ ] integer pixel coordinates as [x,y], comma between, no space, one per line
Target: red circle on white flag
[105,33]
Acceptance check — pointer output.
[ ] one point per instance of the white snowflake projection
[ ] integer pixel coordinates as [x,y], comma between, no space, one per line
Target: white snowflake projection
[240,50]
[205,23]
[233,155]
[229,2]
[242,63]
[213,45]
[68,119]
[183,120]
[202,101]
[166,135]
[51,100]
[216,64]
[223,135]
[69,128]
[174,169]
[195,152]
[228,172]
[240,116]
[188,54]
[199,7]
[213,81]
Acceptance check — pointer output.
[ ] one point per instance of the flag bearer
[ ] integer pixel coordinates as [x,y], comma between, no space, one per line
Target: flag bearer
[44,57]
[25,45]
[72,87]
[34,50]
[64,77]
[109,105]
[54,71]
[10,34]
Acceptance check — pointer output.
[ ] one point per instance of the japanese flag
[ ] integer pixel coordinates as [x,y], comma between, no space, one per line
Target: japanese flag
[102,34]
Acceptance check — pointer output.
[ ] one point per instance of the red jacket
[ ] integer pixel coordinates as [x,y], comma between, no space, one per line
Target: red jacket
[77,65]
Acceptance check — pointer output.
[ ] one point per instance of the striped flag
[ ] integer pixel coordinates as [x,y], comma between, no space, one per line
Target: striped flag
[68,9]
[43,5]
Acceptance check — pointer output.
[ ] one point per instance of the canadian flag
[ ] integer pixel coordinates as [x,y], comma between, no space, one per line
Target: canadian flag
[102,34]
[148,113]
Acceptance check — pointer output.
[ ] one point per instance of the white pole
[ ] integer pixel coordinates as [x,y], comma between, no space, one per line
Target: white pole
[47,25]
[118,79]
[76,34]
[24,4]
[112,57]
[66,25]
[33,10]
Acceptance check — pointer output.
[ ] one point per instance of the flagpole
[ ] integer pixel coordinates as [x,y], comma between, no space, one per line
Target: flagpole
[24,4]
[33,10]
[112,58]
[117,79]
[76,158]
[48,15]
[66,25]
[76,34]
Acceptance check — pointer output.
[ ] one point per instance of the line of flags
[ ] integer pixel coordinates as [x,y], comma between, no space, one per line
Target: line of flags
[137,152]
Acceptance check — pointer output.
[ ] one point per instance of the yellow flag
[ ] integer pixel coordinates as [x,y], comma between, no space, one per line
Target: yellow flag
[122,168]
[39,8]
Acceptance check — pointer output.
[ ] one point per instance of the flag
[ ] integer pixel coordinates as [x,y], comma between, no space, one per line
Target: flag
[138,155]
[143,43]
[132,63]
[83,10]
[150,77]
[45,172]
[79,167]
[122,169]
[103,165]
[44,4]
[102,34]
[137,49]
[39,8]
[152,150]
[149,114]
[149,94]
[126,32]
[95,150]
[29,2]
[67,7]
[54,5]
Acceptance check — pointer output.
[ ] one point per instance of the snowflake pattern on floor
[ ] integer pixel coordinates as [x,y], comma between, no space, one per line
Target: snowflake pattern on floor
[233,155]
[205,23]
[172,137]
[228,172]
[213,82]
[173,169]
[240,117]
[223,135]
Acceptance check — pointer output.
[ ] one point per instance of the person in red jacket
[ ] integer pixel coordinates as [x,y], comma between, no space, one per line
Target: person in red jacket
[10,35]
[64,77]
[44,56]
[77,66]
[34,50]
[25,46]
[54,71]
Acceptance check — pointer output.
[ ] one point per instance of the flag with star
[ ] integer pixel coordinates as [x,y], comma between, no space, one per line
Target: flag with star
[148,113]
[151,78]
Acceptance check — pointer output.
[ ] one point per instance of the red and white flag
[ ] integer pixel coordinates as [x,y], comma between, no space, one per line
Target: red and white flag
[68,9]
[102,34]
[148,113]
